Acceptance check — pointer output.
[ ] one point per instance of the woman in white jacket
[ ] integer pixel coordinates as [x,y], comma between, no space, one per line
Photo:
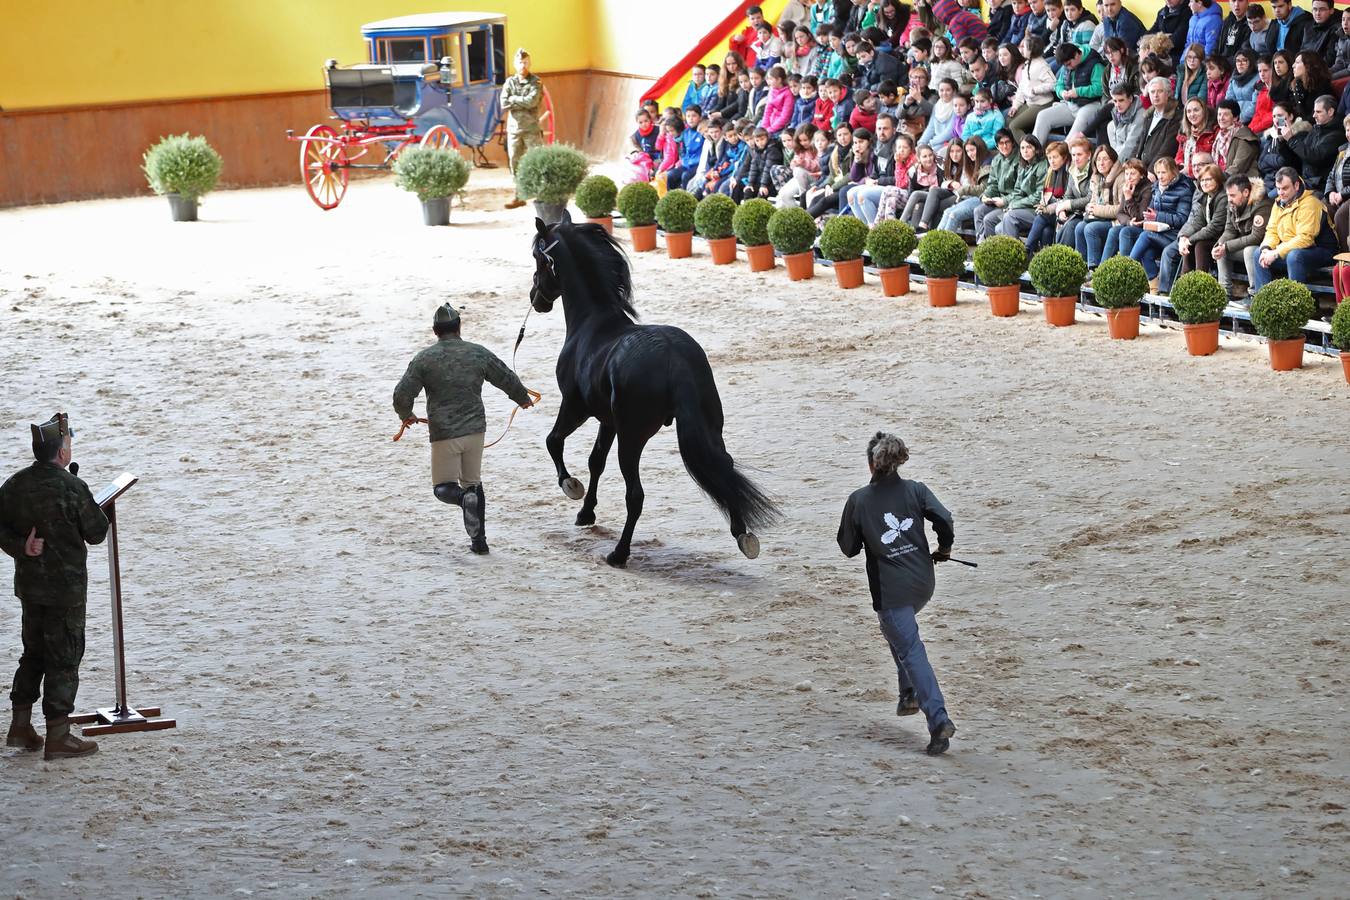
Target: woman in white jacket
[1035,87]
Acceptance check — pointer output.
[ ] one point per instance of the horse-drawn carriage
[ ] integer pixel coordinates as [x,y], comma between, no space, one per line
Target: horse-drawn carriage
[432,80]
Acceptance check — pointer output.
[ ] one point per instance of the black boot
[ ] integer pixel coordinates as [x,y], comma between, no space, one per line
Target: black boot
[940,738]
[474,504]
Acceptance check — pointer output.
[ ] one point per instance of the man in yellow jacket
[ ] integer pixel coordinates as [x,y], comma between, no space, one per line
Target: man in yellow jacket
[1300,240]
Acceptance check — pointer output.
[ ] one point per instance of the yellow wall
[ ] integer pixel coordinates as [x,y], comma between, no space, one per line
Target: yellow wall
[85,52]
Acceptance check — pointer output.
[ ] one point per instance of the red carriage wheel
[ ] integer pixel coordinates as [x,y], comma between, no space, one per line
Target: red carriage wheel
[323,166]
[439,137]
[549,119]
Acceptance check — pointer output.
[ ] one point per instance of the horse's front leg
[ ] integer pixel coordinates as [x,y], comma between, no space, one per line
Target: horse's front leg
[571,414]
[599,456]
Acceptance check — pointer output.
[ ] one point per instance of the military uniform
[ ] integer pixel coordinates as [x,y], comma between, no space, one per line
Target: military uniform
[452,372]
[523,100]
[53,505]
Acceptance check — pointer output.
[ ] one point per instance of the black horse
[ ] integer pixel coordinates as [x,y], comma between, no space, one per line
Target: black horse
[634,379]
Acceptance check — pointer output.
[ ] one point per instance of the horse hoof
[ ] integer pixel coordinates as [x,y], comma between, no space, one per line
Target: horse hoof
[617,560]
[586,518]
[573,489]
[749,545]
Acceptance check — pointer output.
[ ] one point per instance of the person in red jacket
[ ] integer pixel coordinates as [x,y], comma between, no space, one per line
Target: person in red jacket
[864,113]
[748,38]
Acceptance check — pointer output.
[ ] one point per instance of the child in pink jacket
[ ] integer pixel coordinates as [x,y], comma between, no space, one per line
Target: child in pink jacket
[778,111]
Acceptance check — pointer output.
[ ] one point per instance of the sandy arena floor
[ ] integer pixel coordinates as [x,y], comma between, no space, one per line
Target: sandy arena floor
[1148,670]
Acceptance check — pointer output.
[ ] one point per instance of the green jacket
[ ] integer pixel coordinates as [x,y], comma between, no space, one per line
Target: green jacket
[523,99]
[1026,193]
[452,372]
[1003,172]
[63,510]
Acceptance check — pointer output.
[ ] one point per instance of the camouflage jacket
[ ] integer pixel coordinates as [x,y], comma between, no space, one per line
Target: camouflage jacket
[452,371]
[63,510]
[523,100]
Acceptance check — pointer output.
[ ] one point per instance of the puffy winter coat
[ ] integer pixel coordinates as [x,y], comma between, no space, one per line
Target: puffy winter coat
[778,112]
[1246,225]
[1243,92]
[1204,28]
[1316,149]
[1173,203]
[1209,215]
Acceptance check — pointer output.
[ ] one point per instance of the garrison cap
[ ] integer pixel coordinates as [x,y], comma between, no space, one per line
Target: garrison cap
[52,432]
[445,315]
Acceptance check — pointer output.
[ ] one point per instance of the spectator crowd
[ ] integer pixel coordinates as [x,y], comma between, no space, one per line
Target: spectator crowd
[1210,141]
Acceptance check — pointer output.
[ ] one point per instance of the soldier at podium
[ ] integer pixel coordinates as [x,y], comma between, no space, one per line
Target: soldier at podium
[47,516]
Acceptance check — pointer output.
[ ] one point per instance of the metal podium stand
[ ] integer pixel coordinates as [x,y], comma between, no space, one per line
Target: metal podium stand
[121,717]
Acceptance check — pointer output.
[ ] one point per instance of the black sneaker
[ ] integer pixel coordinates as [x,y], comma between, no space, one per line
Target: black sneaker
[940,738]
[908,705]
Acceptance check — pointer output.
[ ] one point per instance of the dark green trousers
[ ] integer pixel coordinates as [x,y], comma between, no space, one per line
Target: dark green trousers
[53,646]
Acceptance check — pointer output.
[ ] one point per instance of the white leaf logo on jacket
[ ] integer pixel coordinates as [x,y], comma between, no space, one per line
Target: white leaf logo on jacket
[895,526]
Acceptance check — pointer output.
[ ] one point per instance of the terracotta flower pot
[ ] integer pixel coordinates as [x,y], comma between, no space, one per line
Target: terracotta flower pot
[941,291]
[1004,299]
[1286,355]
[1123,323]
[605,222]
[1060,311]
[800,266]
[723,250]
[680,245]
[894,282]
[849,273]
[1202,338]
[760,257]
[1345,364]
[643,237]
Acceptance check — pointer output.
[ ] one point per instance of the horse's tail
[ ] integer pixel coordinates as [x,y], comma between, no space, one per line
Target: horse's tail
[698,424]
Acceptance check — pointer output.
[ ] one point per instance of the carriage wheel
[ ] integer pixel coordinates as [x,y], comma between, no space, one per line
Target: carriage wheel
[323,167]
[549,121]
[439,137]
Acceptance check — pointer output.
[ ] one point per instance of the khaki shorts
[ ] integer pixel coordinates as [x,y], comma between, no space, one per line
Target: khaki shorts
[458,459]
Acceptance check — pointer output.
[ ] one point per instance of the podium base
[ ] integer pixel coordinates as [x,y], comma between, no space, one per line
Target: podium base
[120,721]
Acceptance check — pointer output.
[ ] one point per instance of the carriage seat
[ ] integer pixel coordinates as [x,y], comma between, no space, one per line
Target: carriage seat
[369,93]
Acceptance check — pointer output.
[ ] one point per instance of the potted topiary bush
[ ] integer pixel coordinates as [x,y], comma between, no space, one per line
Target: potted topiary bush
[999,262]
[183,169]
[1119,284]
[842,242]
[792,232]
[595,198]
[1340,335]
[637,205]
[1199,300]
[549,174]
[942,255]
[434,175]
[1279,311]
[1057,273]
[889,244]
[675,215]
[712,220]
[751,226]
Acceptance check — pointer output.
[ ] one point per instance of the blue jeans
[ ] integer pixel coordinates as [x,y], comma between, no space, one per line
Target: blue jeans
[1298,265]
[845,197]
[1068,232]
[1120,239]
[901,631]
[961,213]
[863,200]
[1042,232]
[1147,248]
[1091,240]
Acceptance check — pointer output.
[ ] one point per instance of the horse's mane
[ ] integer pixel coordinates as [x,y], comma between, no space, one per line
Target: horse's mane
[602,265]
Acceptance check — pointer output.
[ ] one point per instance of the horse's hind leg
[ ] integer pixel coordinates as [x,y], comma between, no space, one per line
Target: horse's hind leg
[630,455]
[599,456]
[571,413]
[745,539]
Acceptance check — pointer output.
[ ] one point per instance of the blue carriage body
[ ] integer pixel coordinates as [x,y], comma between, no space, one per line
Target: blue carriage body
[389,88]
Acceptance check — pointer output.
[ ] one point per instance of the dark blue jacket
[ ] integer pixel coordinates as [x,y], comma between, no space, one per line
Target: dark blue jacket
[1125,26]
[1017,28]
[1173,205]
[803,110]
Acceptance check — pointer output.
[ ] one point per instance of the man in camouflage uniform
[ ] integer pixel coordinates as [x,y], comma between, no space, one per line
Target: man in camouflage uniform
[47,515]
[522,101]
[452,372]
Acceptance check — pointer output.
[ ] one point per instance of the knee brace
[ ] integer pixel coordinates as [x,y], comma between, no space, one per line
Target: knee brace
[449,492]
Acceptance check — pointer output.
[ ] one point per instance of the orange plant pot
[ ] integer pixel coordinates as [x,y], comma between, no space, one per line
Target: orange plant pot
[800,266]
[605,222]
[1004,300]
[1060,311]
[723,250]
[1123,323]
[849,273]
[1345,364]
[1202,338]
[1286,355]
[680,245]
[760,257]
[643,237]
[894,282]
[941,291]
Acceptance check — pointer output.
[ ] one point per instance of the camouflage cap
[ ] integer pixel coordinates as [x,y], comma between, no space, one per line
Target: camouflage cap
[54,431]
[445,315]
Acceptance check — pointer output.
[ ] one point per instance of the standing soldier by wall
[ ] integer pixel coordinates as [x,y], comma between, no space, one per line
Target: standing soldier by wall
[47,515]
[522,102]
